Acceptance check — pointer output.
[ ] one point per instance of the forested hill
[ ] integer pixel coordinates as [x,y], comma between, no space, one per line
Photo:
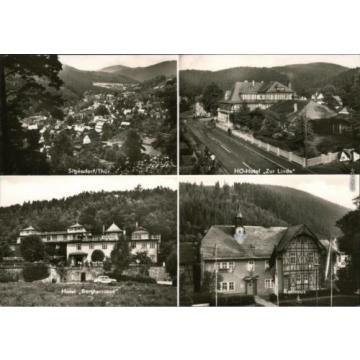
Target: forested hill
[304,77]
[165,68]
[264,205]
[153,209]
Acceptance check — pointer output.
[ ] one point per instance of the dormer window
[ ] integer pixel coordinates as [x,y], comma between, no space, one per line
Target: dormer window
[251,265]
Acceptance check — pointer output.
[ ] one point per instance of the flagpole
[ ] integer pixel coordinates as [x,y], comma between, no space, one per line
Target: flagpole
[331,284]
[277,284]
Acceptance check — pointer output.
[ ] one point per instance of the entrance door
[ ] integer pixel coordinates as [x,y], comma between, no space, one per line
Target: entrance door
[251,287]
[83,277]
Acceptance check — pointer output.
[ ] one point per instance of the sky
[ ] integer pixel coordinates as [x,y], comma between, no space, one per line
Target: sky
[219,62]
[97,62]
[17,189]
[334,188]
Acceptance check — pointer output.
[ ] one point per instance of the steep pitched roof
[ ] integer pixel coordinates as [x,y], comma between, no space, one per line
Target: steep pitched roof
[259,242]
[255,87]
[291,233]
[113,228]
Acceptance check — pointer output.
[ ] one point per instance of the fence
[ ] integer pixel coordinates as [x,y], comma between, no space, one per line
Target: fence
[288,155]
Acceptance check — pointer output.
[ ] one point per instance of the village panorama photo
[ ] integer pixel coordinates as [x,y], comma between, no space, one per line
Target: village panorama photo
[88,114]
[269,114]
[88,241]
[258,240]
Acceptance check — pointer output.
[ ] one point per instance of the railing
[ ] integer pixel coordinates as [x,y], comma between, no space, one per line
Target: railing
[288,155]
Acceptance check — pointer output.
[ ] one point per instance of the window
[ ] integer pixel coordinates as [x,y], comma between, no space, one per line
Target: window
[48,237]
[104,246]
[78,247]
[267,264]
[152,245]
[298,278]
[226,265]
[133,244]
[143,245]
[311,258]
[251,265]
[292,258]
[269,283]
[224,286]
[91,246]
[306,278]
[231,286]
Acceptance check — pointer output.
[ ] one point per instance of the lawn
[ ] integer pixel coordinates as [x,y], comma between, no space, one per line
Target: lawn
[125,293]
[338,300]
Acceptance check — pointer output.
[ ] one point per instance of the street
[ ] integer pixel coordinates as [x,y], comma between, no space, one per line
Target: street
[238,156]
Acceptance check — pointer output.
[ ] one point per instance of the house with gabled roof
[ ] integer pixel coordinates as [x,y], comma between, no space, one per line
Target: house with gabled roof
[253,95]
[250,260]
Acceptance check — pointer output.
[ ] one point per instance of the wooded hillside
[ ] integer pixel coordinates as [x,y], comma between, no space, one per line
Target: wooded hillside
[264,205]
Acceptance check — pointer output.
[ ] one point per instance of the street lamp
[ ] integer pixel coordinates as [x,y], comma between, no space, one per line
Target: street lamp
[316,266]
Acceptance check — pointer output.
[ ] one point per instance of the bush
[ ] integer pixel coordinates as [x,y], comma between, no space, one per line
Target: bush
[234,300]
[97,255]
[201,298]
[136,278]
[7,276]
[33,272]
[223,300]
[32,248]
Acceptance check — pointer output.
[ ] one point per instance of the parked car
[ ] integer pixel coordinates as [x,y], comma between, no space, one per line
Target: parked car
[103,279]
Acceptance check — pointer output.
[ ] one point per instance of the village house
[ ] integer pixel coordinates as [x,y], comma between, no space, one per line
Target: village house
[253,95]
[252,259]
[199,110]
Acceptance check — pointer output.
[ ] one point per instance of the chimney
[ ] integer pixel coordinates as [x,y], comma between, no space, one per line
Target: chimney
[295,107]
[136,225]
[253,83]
[103,229]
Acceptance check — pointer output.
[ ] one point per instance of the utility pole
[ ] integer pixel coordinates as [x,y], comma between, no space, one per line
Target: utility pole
[277,284]
[305,139]
[216,277]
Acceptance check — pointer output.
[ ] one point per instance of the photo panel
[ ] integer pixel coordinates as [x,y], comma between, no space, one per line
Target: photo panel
[88,241]
[267,241]
[269,114]
[88,114]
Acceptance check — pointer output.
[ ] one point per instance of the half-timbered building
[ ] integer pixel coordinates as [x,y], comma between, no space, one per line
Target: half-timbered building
[255,259]
[253,95]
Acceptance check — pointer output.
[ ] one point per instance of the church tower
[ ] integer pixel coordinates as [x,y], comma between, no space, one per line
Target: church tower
[239,231]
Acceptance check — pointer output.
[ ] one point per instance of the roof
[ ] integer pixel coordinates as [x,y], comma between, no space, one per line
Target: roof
[28,228]
[256,87]
[315,111]
[113,228]
[75,225]
[291,233]
[259,242]
[140,229]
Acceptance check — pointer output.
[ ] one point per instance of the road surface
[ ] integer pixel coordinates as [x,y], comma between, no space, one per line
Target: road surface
[238,156]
